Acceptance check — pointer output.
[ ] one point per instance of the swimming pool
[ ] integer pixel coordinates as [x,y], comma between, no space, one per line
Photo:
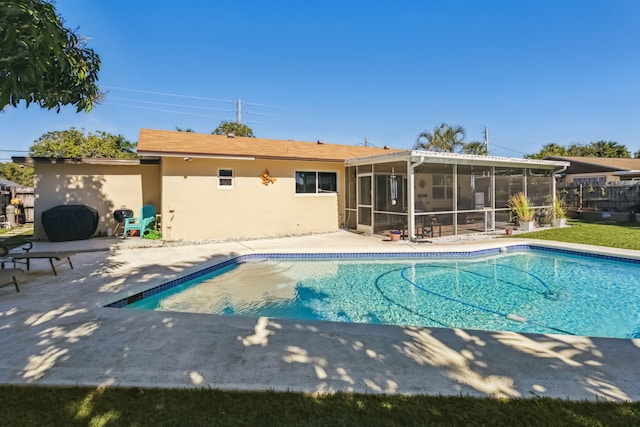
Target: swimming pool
[521,288]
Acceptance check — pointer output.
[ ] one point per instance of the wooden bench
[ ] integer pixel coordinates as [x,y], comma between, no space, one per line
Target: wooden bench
[26,258]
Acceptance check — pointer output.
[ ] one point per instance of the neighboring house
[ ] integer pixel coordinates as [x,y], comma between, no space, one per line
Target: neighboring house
[600,183]
[215,187]
[598,171]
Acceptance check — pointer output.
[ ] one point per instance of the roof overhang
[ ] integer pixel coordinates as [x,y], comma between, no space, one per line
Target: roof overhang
[627,173]
[419,156]
[31,161]
[187,155]
[194,155]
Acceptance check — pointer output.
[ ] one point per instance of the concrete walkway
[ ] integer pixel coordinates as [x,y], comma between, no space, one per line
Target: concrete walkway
[56,331]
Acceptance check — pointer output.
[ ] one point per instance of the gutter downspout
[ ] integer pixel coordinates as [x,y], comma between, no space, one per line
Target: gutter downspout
[553,189]
[411,197]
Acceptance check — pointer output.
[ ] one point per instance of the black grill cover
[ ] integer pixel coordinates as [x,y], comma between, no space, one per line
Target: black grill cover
[70,222]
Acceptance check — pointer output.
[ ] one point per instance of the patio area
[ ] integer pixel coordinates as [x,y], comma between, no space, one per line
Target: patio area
[56,331]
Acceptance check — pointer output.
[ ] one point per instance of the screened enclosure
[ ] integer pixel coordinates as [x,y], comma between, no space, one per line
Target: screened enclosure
[429,194]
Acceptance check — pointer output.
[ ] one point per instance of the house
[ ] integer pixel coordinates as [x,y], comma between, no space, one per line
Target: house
[598,171]
[600,183]
[213,187]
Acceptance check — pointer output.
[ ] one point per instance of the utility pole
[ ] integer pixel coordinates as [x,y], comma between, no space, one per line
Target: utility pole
[486,139]
[239,115]
[366,142]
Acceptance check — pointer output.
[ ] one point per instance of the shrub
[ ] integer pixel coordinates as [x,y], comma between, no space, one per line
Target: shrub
[520,205]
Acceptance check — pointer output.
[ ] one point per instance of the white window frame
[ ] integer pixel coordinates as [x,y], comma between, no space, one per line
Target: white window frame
[318,192]
[232,178]
[446,189]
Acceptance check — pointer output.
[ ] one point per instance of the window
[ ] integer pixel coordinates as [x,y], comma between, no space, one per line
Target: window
[225,178]
[316,182]
[442,187]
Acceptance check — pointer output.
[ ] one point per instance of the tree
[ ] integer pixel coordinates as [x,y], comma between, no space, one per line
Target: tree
[179,129]
[444,138]
[551,149]
[475,147]
[73,143]
[593,149]
[599,149]
[43,62]
[17,173]
[238,129]
[636,155]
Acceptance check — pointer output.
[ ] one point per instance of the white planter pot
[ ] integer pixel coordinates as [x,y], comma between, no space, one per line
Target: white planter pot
[526,226]
[559,222]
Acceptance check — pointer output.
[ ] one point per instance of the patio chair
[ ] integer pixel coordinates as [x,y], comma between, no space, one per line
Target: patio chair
[141,223]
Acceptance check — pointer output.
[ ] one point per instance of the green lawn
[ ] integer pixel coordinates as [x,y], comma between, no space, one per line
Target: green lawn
[35,406]
[611,234]
[90,406]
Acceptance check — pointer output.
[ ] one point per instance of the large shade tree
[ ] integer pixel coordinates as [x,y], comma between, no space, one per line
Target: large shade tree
[74,143]
[238,129]
[17,173]
[444,138]
[551,149]
[43,62]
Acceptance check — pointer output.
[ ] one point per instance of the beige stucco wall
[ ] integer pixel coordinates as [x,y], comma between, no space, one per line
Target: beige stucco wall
[102,187]
[194,208]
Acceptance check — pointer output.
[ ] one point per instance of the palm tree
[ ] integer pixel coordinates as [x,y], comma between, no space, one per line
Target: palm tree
[444,138]
[475,147]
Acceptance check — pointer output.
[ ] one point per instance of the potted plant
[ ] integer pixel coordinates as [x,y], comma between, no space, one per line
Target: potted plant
[520,206]
[395,235]
[558,211]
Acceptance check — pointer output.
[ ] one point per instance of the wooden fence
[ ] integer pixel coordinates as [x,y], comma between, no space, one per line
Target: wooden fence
[27,196]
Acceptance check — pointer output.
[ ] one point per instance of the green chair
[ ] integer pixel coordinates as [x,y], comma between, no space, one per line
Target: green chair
[141,223]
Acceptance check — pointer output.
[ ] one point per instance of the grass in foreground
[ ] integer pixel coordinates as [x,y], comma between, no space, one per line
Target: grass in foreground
[161,407]
[611,234]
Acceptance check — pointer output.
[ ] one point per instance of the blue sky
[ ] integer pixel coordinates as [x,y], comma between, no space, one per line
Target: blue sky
[532,72]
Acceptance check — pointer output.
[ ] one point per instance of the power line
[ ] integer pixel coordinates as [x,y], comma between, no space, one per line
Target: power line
[506,148]
[167,103]
[160,110]
[169,94]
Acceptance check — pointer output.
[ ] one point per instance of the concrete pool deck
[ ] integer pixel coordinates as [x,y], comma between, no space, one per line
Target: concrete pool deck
[56,332]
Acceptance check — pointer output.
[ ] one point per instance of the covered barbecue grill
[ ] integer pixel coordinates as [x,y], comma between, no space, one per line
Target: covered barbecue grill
[64,223]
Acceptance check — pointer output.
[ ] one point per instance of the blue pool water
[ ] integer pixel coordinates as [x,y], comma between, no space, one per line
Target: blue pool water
[522,291]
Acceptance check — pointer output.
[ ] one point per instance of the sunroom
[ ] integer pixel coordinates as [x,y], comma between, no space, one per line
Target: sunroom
[426,194]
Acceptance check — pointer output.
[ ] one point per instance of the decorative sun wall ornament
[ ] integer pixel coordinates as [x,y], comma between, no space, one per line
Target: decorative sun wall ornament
[266,179]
